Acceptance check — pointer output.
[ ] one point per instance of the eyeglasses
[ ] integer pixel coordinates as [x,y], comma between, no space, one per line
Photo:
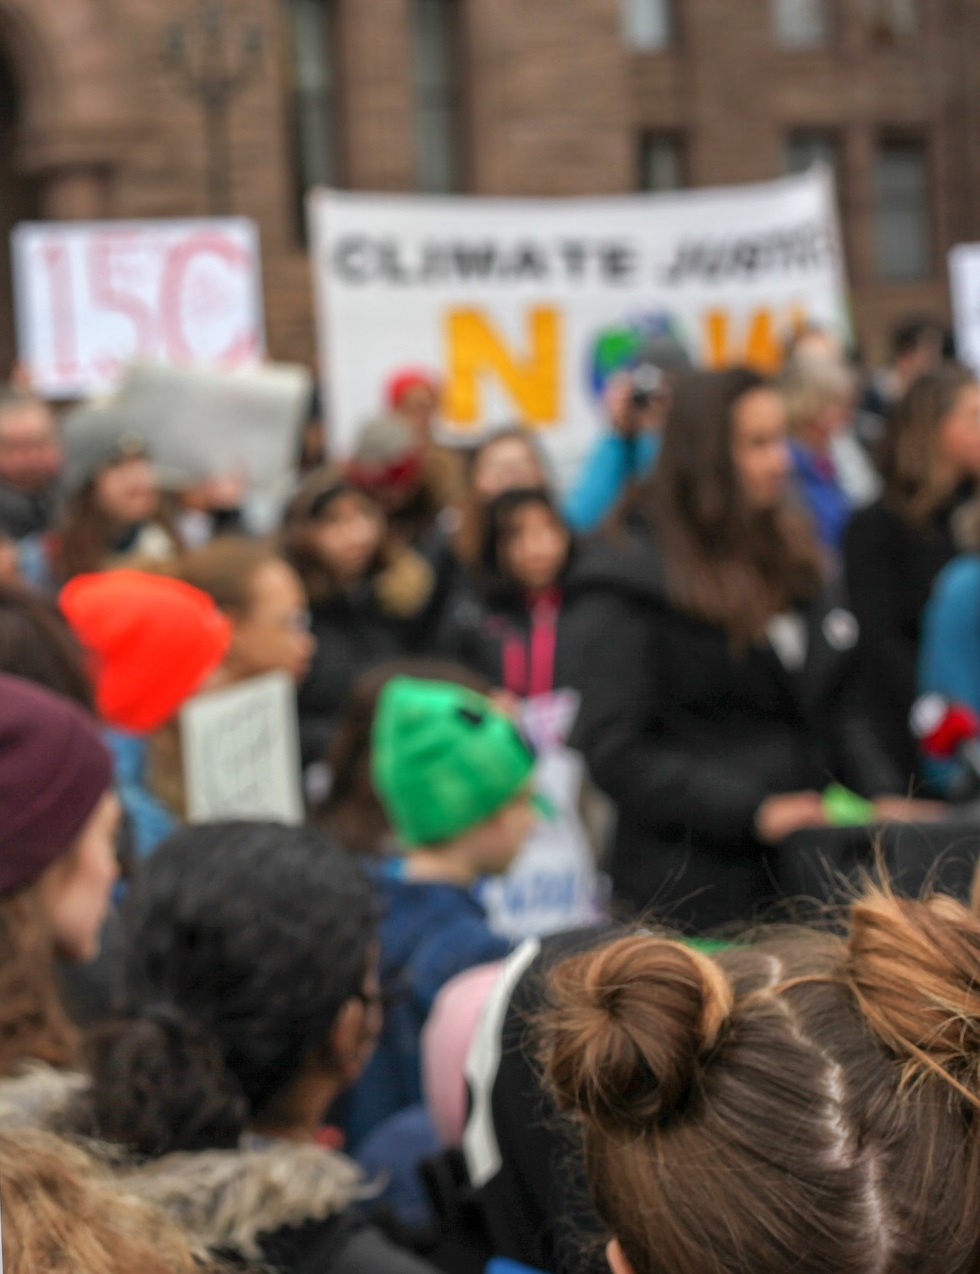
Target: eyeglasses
[301,622]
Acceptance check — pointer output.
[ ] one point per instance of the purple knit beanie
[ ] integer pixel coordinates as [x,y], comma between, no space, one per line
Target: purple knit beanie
[54,769]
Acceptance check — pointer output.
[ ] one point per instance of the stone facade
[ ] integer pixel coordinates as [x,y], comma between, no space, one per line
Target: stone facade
[94,123]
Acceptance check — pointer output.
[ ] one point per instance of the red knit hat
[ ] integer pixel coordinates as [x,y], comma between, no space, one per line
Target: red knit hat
[404,380]
[154,641]
[54,769]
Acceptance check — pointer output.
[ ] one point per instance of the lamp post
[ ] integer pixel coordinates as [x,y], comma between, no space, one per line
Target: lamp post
[215,58]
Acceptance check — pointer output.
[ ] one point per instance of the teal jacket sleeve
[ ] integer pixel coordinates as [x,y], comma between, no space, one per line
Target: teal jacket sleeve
[949,652]
[612,465]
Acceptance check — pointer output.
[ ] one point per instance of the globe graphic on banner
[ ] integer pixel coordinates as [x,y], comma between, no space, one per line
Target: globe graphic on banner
[621,346]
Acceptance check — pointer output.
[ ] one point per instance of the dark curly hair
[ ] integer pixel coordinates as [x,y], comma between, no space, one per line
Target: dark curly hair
[242,943]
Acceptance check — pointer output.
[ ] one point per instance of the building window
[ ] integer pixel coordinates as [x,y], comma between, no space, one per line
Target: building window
[891,20]
[661,162]
[805,147]
[313,95]
[901,210]
[437,104]
[648,25]
[801,24]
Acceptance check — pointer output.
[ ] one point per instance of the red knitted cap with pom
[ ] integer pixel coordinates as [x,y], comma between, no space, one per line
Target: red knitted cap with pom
[54,770]
[153,641]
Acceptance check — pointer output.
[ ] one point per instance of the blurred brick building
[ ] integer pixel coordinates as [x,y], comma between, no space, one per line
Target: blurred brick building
[508,97]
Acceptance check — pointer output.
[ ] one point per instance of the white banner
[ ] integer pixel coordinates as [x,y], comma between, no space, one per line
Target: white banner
[525,306]
[241,753]
[93,297]
[964,285]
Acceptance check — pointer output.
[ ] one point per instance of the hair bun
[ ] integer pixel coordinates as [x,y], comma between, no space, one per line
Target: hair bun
[914,968]
[627,1027]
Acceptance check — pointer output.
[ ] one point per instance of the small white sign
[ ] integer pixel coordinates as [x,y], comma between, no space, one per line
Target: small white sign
[94,297]
[964,283]
[241,753]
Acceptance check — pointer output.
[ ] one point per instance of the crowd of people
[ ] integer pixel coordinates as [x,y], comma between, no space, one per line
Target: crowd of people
[509,992]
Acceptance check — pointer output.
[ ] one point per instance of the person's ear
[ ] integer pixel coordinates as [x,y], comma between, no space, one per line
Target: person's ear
[617,1258]
[350,1043]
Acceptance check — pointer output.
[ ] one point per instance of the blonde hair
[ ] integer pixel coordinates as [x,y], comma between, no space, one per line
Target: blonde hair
[64,1214]
[810,385]
[810,1102]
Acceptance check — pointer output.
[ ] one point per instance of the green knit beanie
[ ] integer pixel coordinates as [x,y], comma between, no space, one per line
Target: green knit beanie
[444,759]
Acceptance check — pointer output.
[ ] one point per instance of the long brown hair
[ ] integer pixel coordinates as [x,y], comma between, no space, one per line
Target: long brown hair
[36,643]
[63,1210]
[914,485]
[812,1102]
[34,1025]
[87,535]
[725,563]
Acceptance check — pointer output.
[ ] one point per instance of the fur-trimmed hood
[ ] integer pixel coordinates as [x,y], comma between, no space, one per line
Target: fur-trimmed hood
[38,1097]
[227,1199]
[224,1199]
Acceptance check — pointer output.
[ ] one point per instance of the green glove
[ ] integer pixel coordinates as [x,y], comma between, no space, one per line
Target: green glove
[845,808]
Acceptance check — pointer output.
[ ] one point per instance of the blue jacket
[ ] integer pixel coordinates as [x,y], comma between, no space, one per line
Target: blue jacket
[150,822]
[429,933]
[614,463]
[823,496]
[949,647]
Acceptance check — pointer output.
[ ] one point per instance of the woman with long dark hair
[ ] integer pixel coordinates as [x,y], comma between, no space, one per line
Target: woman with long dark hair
[894,550]
[717,663]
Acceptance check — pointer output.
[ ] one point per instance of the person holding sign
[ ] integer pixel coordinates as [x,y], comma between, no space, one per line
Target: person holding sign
[113,502]
[718,666]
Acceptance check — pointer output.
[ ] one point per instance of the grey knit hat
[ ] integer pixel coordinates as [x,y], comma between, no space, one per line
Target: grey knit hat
[97,436]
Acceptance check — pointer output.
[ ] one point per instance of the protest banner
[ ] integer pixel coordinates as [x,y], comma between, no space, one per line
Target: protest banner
[201,424]
[964,286]
[241,753]
[524,307]
[93,297]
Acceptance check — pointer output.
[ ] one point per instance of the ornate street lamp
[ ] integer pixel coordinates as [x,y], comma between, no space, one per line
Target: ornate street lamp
[215,56]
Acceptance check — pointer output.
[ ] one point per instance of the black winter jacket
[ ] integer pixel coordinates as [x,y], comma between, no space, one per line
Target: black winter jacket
[890,568]
[386,617]
[496,637]
[689,737]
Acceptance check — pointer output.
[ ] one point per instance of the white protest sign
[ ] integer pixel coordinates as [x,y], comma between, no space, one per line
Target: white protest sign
[241,753]
[93,297]
[964,284]
[200,424]
[553,883]
[525,306]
